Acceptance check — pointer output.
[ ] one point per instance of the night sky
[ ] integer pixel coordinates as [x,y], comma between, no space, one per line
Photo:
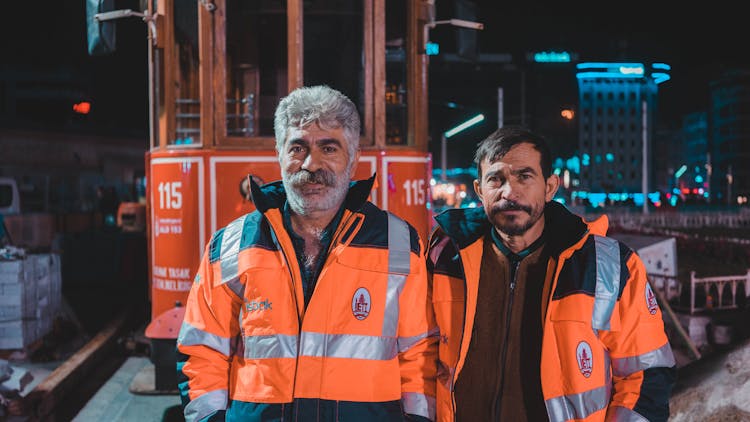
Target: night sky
[697,41]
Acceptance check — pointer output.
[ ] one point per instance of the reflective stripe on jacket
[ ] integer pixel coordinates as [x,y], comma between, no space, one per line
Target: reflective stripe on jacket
[365,345]
[605,354]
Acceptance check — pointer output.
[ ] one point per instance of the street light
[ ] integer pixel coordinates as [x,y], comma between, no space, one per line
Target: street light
[450,132]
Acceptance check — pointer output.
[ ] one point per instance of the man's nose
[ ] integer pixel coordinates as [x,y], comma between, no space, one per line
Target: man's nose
[312,162]
[509,191]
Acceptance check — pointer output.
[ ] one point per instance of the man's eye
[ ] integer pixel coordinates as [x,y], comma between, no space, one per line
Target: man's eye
[296,149]
[329,149]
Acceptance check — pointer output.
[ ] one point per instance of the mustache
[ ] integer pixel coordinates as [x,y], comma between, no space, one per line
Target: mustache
[510,205]
[321,177]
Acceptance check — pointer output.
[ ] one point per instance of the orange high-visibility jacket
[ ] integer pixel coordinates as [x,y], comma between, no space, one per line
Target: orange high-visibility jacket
[365,348]
[605,354]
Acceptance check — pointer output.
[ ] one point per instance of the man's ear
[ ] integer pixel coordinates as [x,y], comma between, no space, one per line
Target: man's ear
[478,189]
[551,186]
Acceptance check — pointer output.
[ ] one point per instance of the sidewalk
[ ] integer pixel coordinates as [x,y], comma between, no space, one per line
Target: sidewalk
[114,401]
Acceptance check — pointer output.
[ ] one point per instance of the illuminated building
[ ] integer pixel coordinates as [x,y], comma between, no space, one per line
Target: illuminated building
[617,104]
[729,136]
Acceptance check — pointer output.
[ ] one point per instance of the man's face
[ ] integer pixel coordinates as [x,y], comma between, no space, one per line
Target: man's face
[315,168]
[514,191]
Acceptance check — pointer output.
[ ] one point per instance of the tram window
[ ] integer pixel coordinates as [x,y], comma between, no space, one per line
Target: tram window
[395,73]
[333,47]
[256,65]
[187,93]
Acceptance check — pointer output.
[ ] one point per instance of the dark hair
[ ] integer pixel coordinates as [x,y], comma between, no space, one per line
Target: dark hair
[499,142]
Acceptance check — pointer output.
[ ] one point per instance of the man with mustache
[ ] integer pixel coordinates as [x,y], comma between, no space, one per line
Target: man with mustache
[314,307]
[541,316]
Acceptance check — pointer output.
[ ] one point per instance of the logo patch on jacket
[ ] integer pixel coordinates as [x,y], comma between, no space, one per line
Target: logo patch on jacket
[584,359]
[361,303]
[651,300]
[258,305]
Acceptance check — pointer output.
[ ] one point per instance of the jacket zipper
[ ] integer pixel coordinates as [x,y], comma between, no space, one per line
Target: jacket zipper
[503,355]
[295,405]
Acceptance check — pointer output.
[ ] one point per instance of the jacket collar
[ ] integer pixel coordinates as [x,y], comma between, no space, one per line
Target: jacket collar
[272,195]
[562,228]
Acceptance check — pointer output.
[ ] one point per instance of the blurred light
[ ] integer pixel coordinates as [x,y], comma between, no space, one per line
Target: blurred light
[660,77]
[662,66]
[568,114]
[552,57]
[432,49]
[699,179]
[680,171]
[631,70]
[573,164]
[82,108]
[465,125]
[610,157]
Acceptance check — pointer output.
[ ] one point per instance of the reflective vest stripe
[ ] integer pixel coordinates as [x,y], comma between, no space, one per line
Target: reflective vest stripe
[406,343]
[270,346]
[192,336]
[418,404]
[396,284]
[230,249]
[206,404]
[607,281]
[661,357]
[348,346]
[577,406]
[399,250]
[328,345]
[622,414]
[399,245]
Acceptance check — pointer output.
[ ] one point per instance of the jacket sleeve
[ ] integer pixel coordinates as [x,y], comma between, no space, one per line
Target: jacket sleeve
[417,343]
[204,345]
[643,366]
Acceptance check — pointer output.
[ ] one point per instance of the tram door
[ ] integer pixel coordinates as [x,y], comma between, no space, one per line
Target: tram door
[218,70]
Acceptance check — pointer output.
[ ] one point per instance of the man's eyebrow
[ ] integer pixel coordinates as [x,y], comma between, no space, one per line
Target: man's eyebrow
[492,173]
[328,141]
[523,170]
[298,141]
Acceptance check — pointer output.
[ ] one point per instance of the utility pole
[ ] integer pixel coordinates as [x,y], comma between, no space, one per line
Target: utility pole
[644,164]
[500,107]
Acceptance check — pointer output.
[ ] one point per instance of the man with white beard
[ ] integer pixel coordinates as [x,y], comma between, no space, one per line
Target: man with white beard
[314,307]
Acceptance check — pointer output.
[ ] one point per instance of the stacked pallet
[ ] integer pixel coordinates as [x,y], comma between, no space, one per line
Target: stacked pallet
[30,298]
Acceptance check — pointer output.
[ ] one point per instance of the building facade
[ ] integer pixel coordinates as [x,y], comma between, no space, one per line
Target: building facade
[729,137]
[617,105]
